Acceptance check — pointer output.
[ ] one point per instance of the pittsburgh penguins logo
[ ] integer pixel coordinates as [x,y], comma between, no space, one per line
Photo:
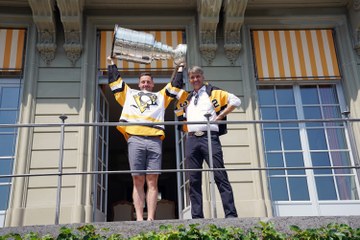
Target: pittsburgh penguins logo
[145,100]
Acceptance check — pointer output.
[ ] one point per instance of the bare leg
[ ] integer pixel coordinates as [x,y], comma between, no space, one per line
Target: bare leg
[139,196]
[152,194]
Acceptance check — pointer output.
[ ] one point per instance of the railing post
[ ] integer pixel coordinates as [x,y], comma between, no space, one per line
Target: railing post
[60,172]
[211,165]
[178,174]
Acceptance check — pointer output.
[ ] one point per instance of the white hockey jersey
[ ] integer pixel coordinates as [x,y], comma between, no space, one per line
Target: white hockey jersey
[143,106]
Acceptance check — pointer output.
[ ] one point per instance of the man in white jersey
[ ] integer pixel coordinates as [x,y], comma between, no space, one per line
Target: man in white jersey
[144,141]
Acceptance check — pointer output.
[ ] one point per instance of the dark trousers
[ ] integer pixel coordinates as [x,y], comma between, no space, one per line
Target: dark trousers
[196,150]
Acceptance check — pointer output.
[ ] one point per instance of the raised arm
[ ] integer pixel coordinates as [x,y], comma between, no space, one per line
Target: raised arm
[116,84]
[113,73]
[177,80]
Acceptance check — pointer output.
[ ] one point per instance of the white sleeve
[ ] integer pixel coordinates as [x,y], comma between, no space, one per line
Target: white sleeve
[233,100]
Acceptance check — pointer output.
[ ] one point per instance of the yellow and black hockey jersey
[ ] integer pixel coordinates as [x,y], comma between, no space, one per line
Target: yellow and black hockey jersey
[218,98]
[143,106]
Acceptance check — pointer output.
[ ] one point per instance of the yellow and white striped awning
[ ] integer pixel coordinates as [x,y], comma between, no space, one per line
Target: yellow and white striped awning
[170,38]
[295,54]
[11,49]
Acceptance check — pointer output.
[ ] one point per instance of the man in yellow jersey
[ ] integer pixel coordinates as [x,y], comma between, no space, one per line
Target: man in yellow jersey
[205,101]
[144,140]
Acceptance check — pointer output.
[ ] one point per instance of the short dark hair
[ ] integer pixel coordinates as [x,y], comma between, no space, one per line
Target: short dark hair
[196,69]
[146,74]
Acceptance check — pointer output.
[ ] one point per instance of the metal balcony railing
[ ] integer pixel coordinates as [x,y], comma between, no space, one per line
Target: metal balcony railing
[62,125]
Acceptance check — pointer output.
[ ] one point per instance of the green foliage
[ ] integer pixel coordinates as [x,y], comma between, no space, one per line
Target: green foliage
[262,231]
[266,231]
[332,231]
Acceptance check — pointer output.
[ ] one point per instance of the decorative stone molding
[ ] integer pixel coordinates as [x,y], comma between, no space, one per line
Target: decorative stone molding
[357,41]
[356,19]
[71,18]
[208,12]
[356,5]
[354,16]
[43,15]
[233,20]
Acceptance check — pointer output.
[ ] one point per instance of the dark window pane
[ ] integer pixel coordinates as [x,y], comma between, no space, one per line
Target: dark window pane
[341,159]
[266,96]
[325,188]
[272,140]
[332,112]
[105,152]
[98,197]
[321,159]
[313,113]
[347,188]
[336,138]
[103,178]
[106,109]
[7,142]
[309,95]
[275,160]
[298,189]
[4,196]
[328,94]
[106,133]
[100,149]
[10,97]
[8,117]
[294,160]
[101,103]
[269,113]
[101,128]
[103,200]
[285,95]
[99,166]
[288,113]
[317,139]
[5,169]
[278,189]
[291,139]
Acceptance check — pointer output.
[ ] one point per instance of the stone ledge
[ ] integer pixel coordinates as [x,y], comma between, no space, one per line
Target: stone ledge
[131,228]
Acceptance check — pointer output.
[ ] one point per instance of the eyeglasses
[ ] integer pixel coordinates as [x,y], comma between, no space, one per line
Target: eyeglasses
[196,99]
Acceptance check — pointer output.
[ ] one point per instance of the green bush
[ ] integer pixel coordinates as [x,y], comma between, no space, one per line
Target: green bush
[263,231]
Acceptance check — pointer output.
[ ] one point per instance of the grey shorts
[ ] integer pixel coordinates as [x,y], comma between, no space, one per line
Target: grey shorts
[145,153]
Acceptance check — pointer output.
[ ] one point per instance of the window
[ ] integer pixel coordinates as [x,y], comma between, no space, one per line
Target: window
[306,144]
[101,180]
[9,108]
[299,79]
[11,62]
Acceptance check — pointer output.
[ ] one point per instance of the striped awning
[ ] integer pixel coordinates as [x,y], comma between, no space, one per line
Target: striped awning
[11,49]
[295,55]
[170,38]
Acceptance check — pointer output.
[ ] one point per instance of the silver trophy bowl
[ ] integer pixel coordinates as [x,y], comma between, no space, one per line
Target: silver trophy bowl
[141,47]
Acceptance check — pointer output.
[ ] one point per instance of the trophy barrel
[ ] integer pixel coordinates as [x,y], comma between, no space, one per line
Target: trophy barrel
[132,45]
[141,47]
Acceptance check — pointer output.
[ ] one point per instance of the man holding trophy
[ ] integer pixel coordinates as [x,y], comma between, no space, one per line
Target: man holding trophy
[146,108]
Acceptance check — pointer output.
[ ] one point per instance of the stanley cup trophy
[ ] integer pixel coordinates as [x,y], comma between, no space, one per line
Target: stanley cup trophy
[141,47]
